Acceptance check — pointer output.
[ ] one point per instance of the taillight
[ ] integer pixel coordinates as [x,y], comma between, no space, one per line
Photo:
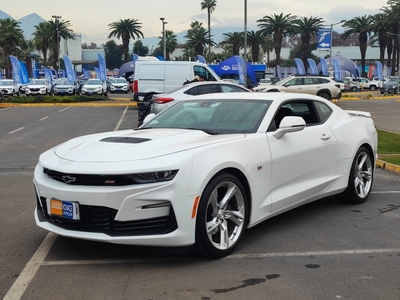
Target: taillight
[135,86]
[163,100]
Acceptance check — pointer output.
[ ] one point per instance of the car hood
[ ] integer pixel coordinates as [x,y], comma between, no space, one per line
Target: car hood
[129,145]
[93,86]
[64,85]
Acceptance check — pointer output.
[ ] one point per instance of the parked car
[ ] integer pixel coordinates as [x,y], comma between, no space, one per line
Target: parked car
[321,86]
[203,170]
[38,87]
[119,85]
[64,87]
[9,87]
[188,91]
[94,86]
[390,86]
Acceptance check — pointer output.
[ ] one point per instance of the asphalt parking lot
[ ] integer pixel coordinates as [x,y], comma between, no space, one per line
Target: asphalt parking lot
[323,250]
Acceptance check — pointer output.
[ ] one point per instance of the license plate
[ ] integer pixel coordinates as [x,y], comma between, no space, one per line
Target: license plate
[64,209]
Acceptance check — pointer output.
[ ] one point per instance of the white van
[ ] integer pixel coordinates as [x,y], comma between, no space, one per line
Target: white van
[156,77]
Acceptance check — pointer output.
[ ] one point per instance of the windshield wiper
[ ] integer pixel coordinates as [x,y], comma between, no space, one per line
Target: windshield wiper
[208,131]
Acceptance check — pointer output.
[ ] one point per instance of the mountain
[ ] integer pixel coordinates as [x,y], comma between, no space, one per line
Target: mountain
[28,24]
[3,15]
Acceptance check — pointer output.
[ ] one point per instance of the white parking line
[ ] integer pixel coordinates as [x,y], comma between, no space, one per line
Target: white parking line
[11,132]
[27,274]
[43,118]
[65,109]
[386,192]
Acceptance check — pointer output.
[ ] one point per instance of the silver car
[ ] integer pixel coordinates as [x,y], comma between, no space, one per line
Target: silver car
[188,91]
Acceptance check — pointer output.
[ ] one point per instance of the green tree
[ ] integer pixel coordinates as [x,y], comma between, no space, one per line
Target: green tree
[255,39]
[267,46]
[196,38]
[113,54]
[235,39]
[380,27]
[140,49]
[42,38]
[26,53]
[171,41]
[210,6]
[60,29]
[361,26]
[306,27]
[278,25]
[125,30]
[11,37]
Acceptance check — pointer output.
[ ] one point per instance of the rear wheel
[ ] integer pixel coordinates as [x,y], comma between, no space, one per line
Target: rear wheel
[325,95]
[372,88]
[360,178]
[222,216]
[354,89]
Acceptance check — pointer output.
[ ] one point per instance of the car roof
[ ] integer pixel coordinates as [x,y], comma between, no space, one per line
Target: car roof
[274,96]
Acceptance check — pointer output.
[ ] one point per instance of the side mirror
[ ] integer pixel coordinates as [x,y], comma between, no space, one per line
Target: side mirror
[289,124]
[149,117]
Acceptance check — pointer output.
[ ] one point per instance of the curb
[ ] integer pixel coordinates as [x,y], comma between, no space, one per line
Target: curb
[387,166]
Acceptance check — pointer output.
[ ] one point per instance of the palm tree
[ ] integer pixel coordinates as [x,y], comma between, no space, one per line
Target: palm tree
[380,26]
[171,41]
[236,39]
[125,30]
[267,46]
[306,27]
[278,25]
[210,6]
[255,39]
[59,29]
[11,37]
[26,53]
[393,43]
[42,38]
[197,38]
[361,26]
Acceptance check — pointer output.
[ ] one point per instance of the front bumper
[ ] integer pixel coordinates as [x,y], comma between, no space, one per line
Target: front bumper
[147,214]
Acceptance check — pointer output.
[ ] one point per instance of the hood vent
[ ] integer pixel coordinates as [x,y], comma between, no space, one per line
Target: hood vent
[125,140]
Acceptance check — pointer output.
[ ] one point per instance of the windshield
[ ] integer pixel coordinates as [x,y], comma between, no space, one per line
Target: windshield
[6,82]
[93,82]
[38,82]
[119,80]
[63,82]
[213,116]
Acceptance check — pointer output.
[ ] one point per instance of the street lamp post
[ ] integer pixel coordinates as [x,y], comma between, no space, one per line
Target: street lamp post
[331,42]
[56,17]
[164,41]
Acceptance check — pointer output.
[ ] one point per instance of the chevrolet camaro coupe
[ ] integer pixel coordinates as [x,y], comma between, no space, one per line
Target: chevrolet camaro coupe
[203,170]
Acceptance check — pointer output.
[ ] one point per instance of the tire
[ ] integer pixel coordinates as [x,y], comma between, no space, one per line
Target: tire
[186,118]
[105,93]
[360,178]
[354,89]
[223,212]
[372,88]
[325,95]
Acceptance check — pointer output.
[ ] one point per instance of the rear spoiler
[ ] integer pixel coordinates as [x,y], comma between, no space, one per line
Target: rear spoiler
[359,113]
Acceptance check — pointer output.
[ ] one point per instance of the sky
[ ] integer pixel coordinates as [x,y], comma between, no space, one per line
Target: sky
[91,17]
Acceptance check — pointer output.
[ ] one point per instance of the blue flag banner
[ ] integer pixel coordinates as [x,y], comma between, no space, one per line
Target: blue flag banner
[336,68]
[85,73]
[24,73]
[201,59]
[134,57]
[102,67]
[240,64]
[279,71]
[285,72]
[34,69]
[48,75]
[300,66]
[70,74]
[0,75]
[324,66]
[379,72]
[97,71]
[16,69]
[313,66]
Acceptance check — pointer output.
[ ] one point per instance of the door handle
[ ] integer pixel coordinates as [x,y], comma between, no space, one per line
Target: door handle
[325,137]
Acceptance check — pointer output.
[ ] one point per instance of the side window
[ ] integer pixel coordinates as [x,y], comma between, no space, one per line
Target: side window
[308,81]
[193,91]
[230,88]
[208,89]
[323,80]
[323,111]
[200,70]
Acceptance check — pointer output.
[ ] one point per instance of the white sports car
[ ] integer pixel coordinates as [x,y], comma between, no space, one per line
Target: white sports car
[202,171]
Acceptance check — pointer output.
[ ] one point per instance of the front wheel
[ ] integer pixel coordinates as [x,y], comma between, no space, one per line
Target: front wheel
[360,178]
[222,216]
[372,88]
[325,95]
[354,89]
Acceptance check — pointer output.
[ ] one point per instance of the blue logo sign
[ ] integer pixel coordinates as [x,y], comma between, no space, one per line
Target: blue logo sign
[324,39]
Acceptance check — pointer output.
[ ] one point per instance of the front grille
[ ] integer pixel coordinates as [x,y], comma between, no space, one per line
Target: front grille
[91,180]
[98,219]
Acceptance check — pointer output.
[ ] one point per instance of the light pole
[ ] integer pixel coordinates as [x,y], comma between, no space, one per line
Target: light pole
[164,41]
[56,17]
[331,42]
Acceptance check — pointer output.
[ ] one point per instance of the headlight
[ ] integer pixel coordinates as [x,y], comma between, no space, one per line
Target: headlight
[153,176]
